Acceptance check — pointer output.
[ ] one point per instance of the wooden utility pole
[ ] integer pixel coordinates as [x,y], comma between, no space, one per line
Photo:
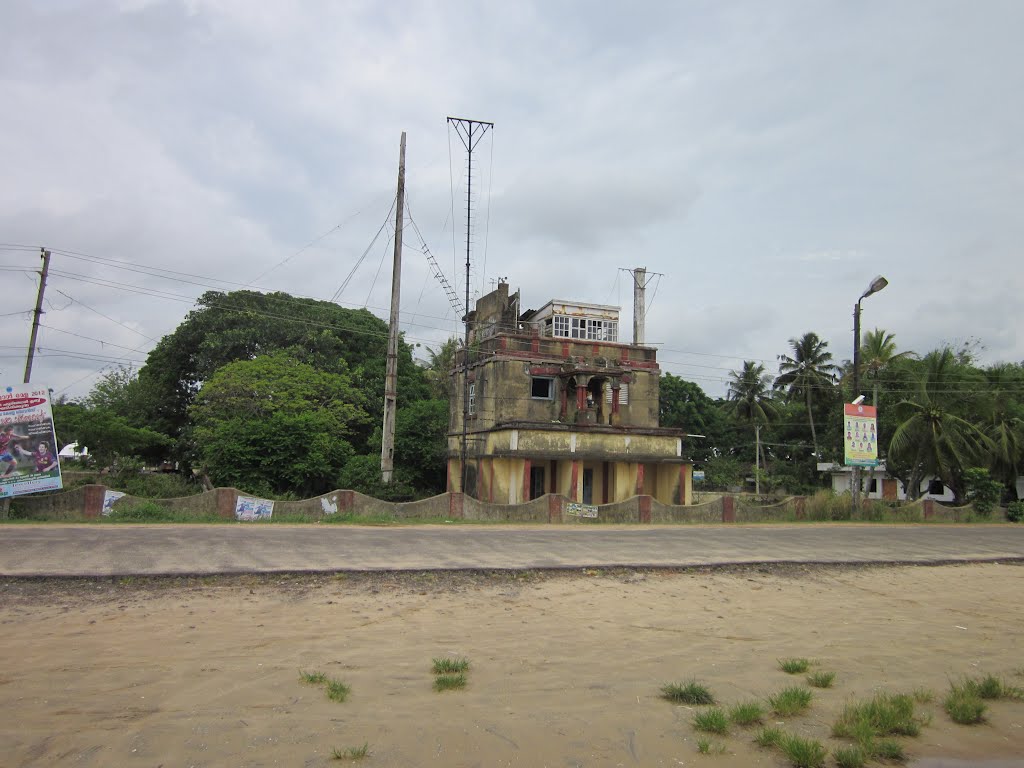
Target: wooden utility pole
[387,447]
[45,254]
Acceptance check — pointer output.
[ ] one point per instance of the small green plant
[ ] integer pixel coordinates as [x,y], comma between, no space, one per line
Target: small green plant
[769,737]
[849,757]
[711,721]
[885,715]
[747,713]
[790,701]
[821,679]
[687,693]
[803,753]
[450,666]
[1015,511]
[351,753]
[794,666]
[923,696]
[312,678]
[449,682]
[964,706]
[991,687]
[708,747]
[337,690]
[889,749]
[982,491]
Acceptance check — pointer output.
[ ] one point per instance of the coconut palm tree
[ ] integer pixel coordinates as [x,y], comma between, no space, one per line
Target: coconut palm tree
[876,353]
[930,438]
[809,371]
[1002,420]
[749,398]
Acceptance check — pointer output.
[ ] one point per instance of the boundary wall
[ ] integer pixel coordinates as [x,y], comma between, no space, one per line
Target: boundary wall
[86,503]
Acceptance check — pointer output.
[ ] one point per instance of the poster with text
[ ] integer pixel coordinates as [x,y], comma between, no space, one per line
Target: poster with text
[28,448]
[860,424]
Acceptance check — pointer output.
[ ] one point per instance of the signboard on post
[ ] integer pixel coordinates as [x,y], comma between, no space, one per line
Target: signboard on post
[860,423]
[28,447]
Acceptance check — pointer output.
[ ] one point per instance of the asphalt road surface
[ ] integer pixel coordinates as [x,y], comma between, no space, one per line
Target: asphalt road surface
[107,550]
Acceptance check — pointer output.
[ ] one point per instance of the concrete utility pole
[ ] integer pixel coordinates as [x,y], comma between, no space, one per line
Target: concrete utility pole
[387,447]
[45,254]
[639,307]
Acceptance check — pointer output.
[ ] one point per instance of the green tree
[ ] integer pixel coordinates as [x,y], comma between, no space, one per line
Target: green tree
[440,367]
[749,399]
[108,436]
[931,436]
[243,325]
[684,405]
[877,353]
[421,444]
[1001,415]
[274,425]
[808,372]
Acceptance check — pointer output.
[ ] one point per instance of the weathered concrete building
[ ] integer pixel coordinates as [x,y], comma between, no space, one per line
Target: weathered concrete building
[557,404]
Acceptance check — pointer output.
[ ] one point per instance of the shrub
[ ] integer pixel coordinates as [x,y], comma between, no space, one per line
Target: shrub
[1015,511]
[982,491]
[687,693]
[711,721]
[964,705]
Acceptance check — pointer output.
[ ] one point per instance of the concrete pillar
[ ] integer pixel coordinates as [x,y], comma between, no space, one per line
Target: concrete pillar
[227,498]
[645,508]
[928,505]
[554,508]
[639,479]
[525,497]
[728,509]
[574,494]
[92,500]
[456,510]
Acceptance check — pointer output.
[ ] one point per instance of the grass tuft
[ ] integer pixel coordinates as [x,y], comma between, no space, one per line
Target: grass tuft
[312,678]
[769,737]
[337,690]
[794,666]
[923,695]
[790,701]
[711,721]
[964,706]
[821,679]
[747,713]
[450,666]
[889,749]
[708,747]
[687,693]
[351,753]
[803,753]
[884,715]
[449,682]
[849,757]
[991,687]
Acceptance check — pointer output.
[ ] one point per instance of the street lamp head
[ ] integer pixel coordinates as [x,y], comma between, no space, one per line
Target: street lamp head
[876,285]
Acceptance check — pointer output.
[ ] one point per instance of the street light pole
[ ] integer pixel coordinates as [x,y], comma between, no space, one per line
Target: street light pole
[876,285]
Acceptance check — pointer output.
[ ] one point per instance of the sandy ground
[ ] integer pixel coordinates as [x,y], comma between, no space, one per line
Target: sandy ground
[566,668]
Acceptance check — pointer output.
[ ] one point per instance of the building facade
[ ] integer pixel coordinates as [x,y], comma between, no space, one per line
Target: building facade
[556,403]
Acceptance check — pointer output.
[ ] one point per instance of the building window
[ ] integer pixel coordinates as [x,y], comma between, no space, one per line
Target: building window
[579,328]
[602,330]
[472,398]
[561,326]
[623,394]
[542,388]
[873,486]
[936,488]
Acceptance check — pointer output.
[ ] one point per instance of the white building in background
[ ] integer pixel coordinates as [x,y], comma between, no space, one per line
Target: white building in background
[876,485]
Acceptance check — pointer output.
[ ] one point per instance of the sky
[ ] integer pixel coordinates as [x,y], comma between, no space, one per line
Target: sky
[763,161]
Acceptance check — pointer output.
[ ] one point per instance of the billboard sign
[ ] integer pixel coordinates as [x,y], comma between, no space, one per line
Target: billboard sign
[860,424]
[28,447]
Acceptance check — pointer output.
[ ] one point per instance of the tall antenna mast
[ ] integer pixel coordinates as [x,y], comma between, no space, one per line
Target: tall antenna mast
[470,133]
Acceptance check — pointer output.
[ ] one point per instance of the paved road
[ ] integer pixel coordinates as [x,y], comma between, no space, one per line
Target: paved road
[105,550]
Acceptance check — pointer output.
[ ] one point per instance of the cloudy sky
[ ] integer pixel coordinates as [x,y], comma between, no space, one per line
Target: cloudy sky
[768,159]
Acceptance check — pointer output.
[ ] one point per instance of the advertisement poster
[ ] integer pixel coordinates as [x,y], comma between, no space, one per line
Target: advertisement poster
[109,498]
[28,448]
[861,439]
[251,508]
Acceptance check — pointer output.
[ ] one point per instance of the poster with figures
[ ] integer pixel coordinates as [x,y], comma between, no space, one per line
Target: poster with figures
[251,508]
[861,440]
[28,448]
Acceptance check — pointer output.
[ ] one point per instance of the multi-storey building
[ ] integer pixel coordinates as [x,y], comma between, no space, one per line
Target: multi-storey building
[558,404]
